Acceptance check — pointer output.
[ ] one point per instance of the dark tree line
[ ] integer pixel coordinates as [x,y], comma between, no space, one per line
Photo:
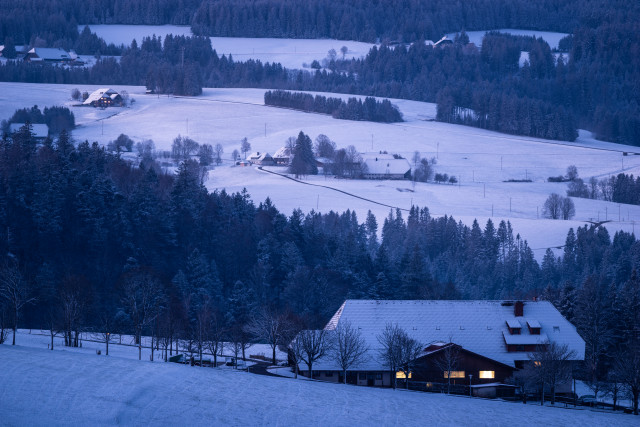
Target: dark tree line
[621,188]
[357,20]
[353,109]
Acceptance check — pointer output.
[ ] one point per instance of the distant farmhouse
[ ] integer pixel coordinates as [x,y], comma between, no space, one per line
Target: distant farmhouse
[263,159]
[282,157]
[48,54]
[491,339]
[40,131]
[104,98]
[382,167]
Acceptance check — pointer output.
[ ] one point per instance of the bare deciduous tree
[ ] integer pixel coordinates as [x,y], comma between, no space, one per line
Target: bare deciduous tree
[314,345]
[552,206]
[271,327]
[627,369]
[348,347]
[245,146]
[552,366]
[142,299]
[15,290]
[107,325]
[215,341]
[4,324]
[447,361]
[218,150]
[399,351]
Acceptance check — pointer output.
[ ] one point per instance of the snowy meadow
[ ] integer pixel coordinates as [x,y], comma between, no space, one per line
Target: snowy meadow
[72,386]
[483,161]
[291,53]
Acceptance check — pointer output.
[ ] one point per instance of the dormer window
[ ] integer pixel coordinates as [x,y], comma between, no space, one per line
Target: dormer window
[514,327]
[534,327]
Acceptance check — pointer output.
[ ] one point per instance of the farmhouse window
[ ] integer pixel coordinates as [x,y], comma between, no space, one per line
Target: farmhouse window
[487,374]
[454,374]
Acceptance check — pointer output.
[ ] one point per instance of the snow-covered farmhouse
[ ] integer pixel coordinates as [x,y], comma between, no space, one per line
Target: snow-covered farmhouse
[491,339]
[104,98]
[386,168]
[48,54]
[263,159]
[282,156]
[40,131]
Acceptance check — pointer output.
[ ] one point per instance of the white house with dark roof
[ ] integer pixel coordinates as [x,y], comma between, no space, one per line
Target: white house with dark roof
[104,97]
[494,338]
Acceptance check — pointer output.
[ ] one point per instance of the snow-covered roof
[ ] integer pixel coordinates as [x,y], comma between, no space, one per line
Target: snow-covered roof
[533,323]
[51,53]
[39,130]
[282,153]
[378,166]
[514,323]
[99,93]
[477,326]
[264,156]
[525,339]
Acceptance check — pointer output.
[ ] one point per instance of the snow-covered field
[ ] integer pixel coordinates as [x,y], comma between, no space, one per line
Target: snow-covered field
[482,160]
[123,346]
[68,387]
[552,38]
[291,53]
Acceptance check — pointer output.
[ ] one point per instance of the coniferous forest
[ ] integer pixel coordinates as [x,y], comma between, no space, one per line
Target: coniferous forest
[80,224]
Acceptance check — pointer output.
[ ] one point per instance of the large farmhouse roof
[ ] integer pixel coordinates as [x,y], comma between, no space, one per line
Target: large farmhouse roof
[100,93]
[282,153]
[39,130]
[477,326]
[50,54]
[379,166]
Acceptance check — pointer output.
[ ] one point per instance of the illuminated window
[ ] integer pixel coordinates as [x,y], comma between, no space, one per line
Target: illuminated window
[454,374]
[487,374]
[400,375]
[537,364]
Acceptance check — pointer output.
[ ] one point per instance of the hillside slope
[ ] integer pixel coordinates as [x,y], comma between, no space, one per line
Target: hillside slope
[53,388]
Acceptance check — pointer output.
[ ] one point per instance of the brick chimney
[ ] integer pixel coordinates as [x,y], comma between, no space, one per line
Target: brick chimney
[518,309]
